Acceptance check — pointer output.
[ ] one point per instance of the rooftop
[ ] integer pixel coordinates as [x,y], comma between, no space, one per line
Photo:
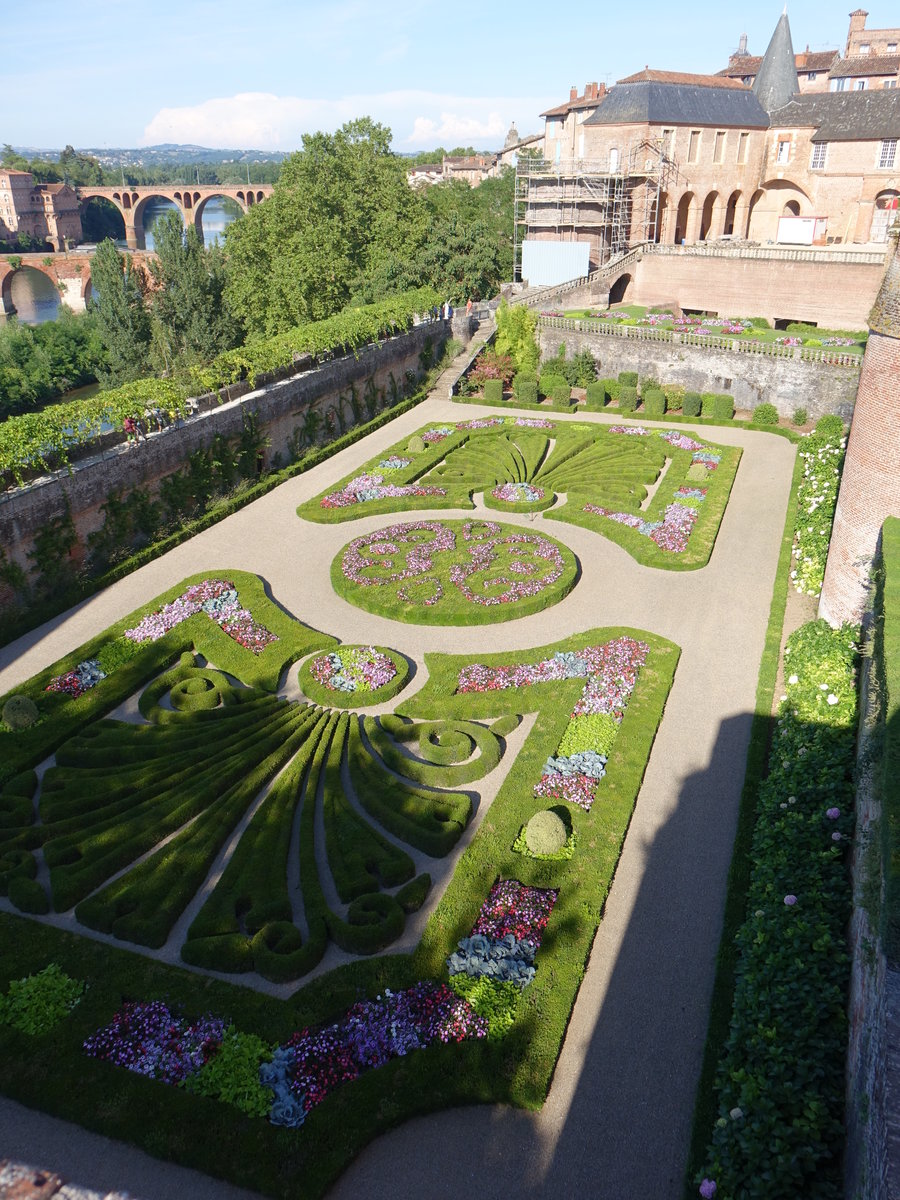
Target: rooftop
[669,97]
[867,64]
[844,116]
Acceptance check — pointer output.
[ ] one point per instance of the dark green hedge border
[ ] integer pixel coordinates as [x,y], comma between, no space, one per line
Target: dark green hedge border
[739,871]
[453,608]
[52,1074]
[64,715]
[329,698]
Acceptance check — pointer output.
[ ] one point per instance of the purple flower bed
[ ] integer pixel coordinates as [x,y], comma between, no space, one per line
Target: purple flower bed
[147,1038]
[219,600]
[707,458]
[518,493]
[680,440]
[610,672]
[513,908]
[375,560]
[630,430]
[671,533]
[372,1033]
[438,434]
[533,423]
[480,423]
[372,487]
[362,669]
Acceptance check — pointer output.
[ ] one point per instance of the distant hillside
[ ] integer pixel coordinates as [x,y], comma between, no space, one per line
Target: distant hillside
[156,156]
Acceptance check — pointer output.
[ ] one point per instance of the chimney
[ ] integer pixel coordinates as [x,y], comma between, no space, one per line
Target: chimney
[573,93]
[742,45]
[857,25]
[601,91]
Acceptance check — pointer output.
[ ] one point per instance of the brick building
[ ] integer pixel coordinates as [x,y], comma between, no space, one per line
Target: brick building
[676,158]
[47,212]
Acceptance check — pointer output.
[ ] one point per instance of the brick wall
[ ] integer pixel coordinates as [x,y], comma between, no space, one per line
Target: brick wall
[279,406]
[870,487]
[787,383]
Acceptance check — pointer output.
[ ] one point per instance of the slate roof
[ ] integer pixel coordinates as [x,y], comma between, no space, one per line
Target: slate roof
[867,64]
[777,79]
[866,116]
[749,64]
[723,103]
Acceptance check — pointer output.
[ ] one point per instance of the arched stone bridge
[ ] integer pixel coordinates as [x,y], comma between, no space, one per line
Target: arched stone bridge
[70,274]
[189,199]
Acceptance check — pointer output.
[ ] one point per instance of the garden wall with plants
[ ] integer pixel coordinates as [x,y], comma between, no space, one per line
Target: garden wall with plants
[750,378]
[340,393]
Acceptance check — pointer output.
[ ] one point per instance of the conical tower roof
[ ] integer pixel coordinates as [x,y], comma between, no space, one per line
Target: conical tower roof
[776,81]
[885,315]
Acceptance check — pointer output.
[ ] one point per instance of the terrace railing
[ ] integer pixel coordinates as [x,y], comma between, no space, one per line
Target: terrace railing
[643,333]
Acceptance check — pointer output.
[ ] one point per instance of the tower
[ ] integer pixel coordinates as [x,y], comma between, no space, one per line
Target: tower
[870,486]
[776,81]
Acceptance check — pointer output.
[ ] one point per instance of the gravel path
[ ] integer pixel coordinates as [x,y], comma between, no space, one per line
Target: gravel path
[617,1120]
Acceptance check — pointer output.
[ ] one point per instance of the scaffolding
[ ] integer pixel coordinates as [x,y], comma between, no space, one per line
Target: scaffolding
[615,202]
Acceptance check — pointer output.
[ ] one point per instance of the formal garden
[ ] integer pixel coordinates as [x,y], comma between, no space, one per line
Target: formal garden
[284,890]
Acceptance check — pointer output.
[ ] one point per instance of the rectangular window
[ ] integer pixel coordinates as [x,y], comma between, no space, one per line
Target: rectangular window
[743,143]
[668,142]
[860,85]
[694,146]
[892,47]
[890,83]
[811,76]
[864,47]
[719,148]
[818,156]
[783,153]
[888,153]
[838,85]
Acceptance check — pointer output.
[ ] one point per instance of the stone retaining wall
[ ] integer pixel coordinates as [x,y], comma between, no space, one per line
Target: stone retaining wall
[752,379]
[279,407]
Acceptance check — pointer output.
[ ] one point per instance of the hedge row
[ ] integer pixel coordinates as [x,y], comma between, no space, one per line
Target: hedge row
[780,1082]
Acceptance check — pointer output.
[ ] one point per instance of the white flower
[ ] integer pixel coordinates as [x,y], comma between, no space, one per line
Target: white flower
[832,699]
[794,679]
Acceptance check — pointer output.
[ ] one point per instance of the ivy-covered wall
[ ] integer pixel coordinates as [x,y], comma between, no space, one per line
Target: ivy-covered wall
[129,492]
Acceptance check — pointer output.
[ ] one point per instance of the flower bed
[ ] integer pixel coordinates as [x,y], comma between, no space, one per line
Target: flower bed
[671,533]
[443,572]
[354,675]
[79,680]
[148,1039]
[610,672]
[518,493]
[822,455]
[506,936]
[218,598]
[780,1081]
[372,487]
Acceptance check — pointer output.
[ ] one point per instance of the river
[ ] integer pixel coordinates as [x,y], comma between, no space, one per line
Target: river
[37,300]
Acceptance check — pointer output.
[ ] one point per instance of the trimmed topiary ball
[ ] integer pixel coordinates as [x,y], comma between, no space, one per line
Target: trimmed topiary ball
[20,712]
[415,445]
[545,833]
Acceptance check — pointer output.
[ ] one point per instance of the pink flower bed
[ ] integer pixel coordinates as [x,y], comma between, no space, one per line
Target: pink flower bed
[372,487]
[480,423]
[219,600]
[533,423]
[512,907]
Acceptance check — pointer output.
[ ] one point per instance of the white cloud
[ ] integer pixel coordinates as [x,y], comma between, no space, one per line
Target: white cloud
[419,119]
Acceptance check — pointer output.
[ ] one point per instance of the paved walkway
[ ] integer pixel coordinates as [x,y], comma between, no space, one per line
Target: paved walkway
[618,1117]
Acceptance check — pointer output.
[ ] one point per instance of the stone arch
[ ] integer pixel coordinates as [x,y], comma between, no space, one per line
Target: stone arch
[731,213]
[140,234]
[107,214]
[791,209]
[200,208]
[751,208]
[683,216]
[707,215]
[38,269]
[260,196]
[619,289]
[777,194]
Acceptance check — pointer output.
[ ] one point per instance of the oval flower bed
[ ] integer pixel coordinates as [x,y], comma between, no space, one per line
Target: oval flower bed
[519,497]
[354,676]
[453,572]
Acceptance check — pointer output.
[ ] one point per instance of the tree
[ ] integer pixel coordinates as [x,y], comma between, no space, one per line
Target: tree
[516,336]
[341,206]
[123,320]
[191,322]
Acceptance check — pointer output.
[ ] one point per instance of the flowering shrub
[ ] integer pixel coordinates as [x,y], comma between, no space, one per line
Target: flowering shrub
[780,1081]
[79,680]
[823,458]
[219,600]
[789,341]
[518,493]
[147,1038]
[355,669]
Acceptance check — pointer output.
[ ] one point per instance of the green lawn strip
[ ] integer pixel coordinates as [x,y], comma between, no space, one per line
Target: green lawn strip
[453,607]
[64,715]
[740,869]
[889,655]
[643,549]
[433,822]
[252,892]
[361,860]
[329,697]
[432,774]
[143,905]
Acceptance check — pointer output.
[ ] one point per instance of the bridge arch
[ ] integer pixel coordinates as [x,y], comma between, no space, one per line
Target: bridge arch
[101,218]
[14,278]
[140,231]
[197,217]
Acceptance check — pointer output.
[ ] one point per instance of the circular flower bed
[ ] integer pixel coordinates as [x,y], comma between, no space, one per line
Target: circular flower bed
[519,497]
[354,676]
[453,572]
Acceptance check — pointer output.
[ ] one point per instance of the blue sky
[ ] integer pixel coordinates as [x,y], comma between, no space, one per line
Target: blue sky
[231,73]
